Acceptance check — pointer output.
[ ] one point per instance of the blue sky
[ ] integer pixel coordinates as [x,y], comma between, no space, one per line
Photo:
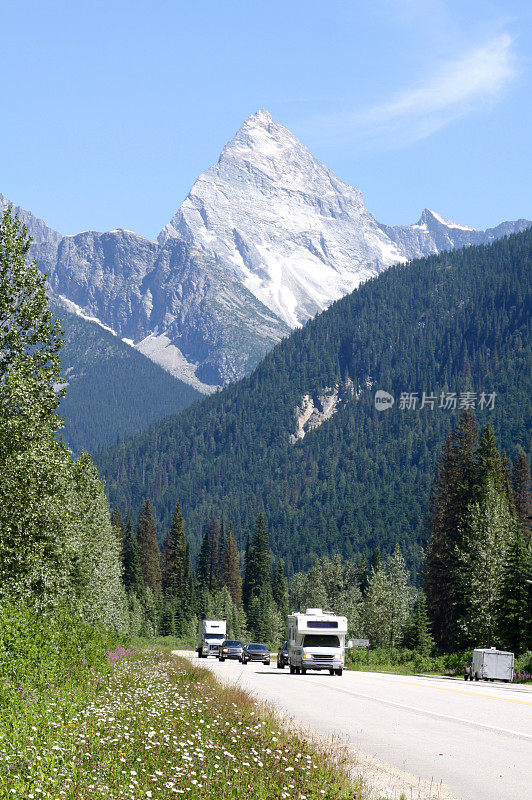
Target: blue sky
[110,110]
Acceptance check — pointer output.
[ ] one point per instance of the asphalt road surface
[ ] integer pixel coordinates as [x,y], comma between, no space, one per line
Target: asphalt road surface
[475,738]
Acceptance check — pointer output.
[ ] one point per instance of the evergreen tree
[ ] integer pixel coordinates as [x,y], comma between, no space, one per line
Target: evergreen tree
[508,483]
[246,583]
[167,626]
[416,633]
[150,559]
[230,568]
[489,469]
[174,561]
[279,590]
[363,575]
[452,492]
[258,563]
[514,617]
[208,560]
[132,570]
[221,551]
[375,560]
[521,491]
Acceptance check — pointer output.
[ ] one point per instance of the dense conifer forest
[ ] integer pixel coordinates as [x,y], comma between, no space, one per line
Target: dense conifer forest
[113,391]
[452,323]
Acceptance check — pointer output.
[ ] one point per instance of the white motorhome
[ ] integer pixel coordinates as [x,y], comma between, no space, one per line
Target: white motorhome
[316,640]
[490,664]
[211,633]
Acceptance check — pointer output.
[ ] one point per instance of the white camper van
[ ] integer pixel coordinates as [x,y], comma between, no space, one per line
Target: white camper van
[211,633]
[316,640]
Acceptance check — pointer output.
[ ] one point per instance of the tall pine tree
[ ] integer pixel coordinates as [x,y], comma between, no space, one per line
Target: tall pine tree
[174,561]
[230,568]
[514,608]
[279,590]
[452,492]
[132,570]
[208,570]
[150,560]
[258,561]
[521,491]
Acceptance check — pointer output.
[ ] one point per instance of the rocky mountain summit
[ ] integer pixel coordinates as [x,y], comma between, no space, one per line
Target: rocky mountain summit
[266,238]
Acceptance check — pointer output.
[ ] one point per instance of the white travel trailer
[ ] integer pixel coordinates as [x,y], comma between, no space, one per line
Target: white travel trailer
[316,640]
[211,633]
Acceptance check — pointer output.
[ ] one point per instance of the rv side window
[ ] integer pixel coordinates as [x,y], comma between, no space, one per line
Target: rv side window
[320,640]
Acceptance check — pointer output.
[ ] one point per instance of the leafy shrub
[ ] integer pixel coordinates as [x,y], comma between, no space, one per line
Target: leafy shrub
[39,650]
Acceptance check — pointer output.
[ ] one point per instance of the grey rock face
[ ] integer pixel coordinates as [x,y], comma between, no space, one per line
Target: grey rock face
[266,238]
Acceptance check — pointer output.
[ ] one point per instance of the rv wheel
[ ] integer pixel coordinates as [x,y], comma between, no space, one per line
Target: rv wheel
[303,671]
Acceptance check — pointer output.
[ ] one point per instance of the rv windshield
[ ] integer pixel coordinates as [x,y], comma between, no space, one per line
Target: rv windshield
[209,635]
[320,640]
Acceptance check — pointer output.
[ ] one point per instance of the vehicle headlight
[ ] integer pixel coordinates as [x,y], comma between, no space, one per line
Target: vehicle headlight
[224,650]
[307,655]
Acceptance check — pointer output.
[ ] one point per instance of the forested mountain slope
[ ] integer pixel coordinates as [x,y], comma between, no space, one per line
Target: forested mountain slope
[453,322]
[113,391]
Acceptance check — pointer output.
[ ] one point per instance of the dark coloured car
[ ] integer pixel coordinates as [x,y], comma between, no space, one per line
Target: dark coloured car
[255,652]
[230,648]
[282,656]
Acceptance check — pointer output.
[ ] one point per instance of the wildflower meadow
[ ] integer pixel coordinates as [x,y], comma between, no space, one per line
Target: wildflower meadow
[136,723]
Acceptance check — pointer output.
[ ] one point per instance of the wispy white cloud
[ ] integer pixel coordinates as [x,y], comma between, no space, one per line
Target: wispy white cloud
[457,87]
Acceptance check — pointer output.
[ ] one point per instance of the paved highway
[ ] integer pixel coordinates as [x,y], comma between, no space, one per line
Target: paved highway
[474,738]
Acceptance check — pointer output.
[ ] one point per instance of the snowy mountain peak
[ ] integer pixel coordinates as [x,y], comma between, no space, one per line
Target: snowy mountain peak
[281,223]
[261,118]
[430,218]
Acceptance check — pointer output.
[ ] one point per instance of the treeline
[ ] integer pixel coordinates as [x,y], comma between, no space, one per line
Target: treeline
[456,322]
[479,561]
[378,598]
[167,597]
[57,544]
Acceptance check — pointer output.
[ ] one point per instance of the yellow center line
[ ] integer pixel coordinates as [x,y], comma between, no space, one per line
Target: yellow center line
[448,689]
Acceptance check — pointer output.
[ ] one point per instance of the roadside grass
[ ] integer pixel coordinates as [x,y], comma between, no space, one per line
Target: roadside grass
[401,661]
[127,723]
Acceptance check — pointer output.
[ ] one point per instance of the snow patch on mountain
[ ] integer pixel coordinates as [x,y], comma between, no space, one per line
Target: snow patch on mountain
[75,309]
[449,223]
